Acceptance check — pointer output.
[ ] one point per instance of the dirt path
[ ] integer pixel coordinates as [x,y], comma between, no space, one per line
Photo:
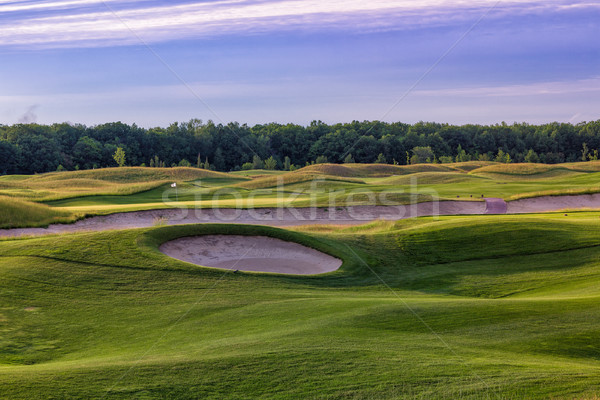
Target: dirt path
[355,215]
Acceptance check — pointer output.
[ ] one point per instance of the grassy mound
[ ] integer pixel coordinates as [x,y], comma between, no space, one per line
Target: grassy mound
[431,178]
[293,178]
[133,174]
[256,173]
[590,166]
[16,213]
[344,171]
[527,171]
[107,181]
[468,166]
[372,170]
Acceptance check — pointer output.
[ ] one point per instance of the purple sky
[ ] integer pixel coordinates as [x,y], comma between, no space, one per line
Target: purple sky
[252,61]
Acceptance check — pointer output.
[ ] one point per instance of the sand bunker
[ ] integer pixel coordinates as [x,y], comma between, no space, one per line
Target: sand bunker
[555,203]
[354,215]
[250,253]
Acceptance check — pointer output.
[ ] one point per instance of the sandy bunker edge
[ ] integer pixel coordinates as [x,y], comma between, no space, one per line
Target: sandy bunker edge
[250,253]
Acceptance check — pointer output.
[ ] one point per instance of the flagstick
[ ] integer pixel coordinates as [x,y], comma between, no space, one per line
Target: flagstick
[174,185]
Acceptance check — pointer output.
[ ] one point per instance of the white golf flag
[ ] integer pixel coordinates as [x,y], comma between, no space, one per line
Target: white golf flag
[173,185]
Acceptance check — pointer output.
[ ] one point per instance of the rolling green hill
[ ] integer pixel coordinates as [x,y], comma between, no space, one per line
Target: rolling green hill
[461,307]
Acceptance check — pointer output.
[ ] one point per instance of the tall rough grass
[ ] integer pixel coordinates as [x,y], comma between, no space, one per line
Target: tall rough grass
[19,213]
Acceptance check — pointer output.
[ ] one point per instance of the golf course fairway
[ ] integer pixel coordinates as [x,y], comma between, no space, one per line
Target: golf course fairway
[475,307]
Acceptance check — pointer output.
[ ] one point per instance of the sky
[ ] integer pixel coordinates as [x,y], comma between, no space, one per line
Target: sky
[155,62]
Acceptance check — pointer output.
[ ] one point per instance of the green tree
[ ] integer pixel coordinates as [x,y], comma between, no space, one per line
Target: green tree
[185,163]
[87,151]
[257,163]
[461,155]
[219,160]
[500,156]
[246,166]
[9,158]
[584,152]
[199,162]
[503,157]
[349,159]
[381,159]
[484,157]
[287,163]
[119,156]
[270,163]
[421,154]
[532,157]
[366,149]
[321,160]
[29,148]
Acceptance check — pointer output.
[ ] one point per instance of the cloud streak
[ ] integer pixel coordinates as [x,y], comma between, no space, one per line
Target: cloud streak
[277,89]
[147,105]
[532,89]
[90,23]
[21,6]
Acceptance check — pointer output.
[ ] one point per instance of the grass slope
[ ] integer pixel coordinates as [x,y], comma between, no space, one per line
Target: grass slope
[371,170]
[20,213]
[480,307]
[293,178]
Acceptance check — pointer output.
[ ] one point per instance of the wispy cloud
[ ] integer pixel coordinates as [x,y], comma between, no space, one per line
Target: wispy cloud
[7,6]
[331,101]
[329,90]
[531,89]
[94,23]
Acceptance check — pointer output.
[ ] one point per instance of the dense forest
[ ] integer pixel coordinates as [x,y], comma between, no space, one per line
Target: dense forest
[33,148]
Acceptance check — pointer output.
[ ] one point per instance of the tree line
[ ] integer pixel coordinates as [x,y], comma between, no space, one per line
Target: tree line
[34,148]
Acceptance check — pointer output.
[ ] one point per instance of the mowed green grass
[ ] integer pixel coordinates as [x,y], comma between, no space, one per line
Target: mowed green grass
[457,307]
